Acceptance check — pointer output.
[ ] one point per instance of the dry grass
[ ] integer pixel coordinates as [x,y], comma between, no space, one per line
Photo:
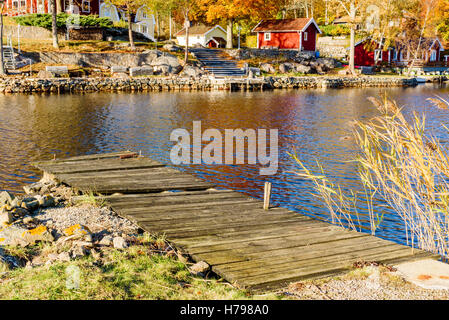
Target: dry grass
[406,167]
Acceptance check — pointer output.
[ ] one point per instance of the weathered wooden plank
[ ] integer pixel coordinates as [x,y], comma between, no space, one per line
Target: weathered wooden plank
[319,248]
[91,166]
[298,248]
[196,216]
[319,235]
[283,277]
[125,186]
[136,173]
[205,242]
[87,157]
[174,200]
[244,202]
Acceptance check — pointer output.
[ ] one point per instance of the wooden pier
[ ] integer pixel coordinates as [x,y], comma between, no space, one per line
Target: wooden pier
[246,245]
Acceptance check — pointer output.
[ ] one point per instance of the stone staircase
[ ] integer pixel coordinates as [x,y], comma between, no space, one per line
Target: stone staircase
[8,55]
[218,62]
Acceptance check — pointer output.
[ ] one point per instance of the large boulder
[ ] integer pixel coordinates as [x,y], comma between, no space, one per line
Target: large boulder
[303,69]
[141,71]
[254,72]
[286,67]
[192,71]
[305,55]
[329,63]
[161,63]
[267,67]
[172,47]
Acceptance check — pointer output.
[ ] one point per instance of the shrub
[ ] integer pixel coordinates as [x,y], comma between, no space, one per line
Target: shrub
[44,20]
[335,30]
[251,41]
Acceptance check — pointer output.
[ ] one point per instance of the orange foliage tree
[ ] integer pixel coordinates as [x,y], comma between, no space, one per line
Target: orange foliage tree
[229,11]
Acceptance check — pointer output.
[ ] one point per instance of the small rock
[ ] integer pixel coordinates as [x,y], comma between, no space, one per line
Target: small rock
[6,218]
[6,198]
[21,212]
[64,256]
[52,256]
[106,241]
[77,229]
[40,233]
[46,201]
[119,243]
[200,268]
[78,252]
[29,220]
[30,206]
[267,67]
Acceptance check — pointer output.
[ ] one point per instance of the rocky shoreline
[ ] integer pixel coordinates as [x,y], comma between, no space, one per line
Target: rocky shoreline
[174,83]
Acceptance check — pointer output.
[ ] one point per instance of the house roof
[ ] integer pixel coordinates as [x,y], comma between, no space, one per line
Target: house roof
[299,24]
[198,30]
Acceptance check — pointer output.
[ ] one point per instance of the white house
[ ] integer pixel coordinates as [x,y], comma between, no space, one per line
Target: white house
[144,20]
[207,36]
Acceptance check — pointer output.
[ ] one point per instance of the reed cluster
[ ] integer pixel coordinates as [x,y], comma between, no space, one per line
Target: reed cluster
[401,164]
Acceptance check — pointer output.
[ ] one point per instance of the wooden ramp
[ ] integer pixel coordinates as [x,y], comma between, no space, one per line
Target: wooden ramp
[246,245]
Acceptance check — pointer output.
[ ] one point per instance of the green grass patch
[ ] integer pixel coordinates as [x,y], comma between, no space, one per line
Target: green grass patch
[134,273]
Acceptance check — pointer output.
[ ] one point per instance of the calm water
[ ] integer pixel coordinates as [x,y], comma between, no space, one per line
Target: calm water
[315,123]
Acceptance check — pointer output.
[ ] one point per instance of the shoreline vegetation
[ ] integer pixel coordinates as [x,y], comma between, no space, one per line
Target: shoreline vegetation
[401,164]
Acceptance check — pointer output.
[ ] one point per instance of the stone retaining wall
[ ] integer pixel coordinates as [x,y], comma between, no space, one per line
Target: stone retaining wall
[30,32]
[61,85]
[94,59]
[333,47]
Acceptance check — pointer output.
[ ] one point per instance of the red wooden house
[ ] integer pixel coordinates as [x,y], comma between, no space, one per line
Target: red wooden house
[300,34]
[368,52]
[21,7]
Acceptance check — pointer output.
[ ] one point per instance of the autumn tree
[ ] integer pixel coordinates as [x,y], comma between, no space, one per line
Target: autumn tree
[229,11]
[130,7]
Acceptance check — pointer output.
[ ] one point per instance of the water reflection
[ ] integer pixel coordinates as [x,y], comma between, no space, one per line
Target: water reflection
[315,123]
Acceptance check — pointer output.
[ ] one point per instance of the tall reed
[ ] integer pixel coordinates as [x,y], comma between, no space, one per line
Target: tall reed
[404,166]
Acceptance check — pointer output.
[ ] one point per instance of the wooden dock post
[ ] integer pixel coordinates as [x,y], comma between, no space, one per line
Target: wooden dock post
[267,196]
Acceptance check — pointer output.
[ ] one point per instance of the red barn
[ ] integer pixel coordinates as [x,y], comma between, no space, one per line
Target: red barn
[368,52]
[22,7]
[300,34]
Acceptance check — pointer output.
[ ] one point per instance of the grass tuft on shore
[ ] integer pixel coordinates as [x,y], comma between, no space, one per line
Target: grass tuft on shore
[134,273]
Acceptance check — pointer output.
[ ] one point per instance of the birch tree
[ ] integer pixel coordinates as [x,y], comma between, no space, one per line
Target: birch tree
[54,27]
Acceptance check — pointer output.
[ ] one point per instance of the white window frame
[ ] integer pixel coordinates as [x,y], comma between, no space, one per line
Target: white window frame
[88,5]
[267,36]
[433,55]
[305,36]
[17,2]
[378,55]
[395,55]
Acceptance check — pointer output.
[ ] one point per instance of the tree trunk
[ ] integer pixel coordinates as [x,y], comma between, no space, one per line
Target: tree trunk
[352,41]
[54,27]
[2,62]
[186,58]
[130,31]
[170,22]
[229,34]
[58,6]
[415,56]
